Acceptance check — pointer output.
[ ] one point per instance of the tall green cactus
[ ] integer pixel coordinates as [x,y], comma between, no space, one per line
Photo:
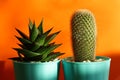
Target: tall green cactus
[83,35]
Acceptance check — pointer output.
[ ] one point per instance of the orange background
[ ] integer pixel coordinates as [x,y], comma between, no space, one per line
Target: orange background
[57,14]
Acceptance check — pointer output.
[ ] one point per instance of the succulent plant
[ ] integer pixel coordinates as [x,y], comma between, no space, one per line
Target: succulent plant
[37,46]
[83,35]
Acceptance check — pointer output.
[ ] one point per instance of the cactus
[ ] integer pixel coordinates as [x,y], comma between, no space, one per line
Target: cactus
[83,35]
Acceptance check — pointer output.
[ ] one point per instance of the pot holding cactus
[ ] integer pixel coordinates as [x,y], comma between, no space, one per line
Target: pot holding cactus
[84,65]
[36,57]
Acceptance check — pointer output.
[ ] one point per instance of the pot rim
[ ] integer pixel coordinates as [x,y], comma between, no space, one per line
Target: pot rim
[37,62]
[106,59]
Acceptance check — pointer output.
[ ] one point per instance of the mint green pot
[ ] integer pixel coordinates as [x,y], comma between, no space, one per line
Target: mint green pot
[36,70]
[86,70]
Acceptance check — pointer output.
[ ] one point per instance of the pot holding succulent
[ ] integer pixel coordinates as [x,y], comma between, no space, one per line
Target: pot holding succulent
[36,57]
[85,65]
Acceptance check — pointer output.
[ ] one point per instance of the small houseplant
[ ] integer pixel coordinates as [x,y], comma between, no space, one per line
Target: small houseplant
[85,65]
[36,57]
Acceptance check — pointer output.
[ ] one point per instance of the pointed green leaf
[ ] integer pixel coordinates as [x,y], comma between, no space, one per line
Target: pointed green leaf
[52,56]
[40,28]
[50,38]
[26,53]
[40,49]
[34,46]
[30,24]
[43,49]
[23,41]
[34,33]
[22,46]
[40,40]
[16,59]
[48,31]
[21,33]
[31,47]
[20,56]
[49,50]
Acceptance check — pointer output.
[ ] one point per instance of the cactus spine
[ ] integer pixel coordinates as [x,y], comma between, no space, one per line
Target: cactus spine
[83,35]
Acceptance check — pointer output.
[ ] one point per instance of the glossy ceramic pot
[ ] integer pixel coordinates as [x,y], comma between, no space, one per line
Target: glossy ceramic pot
[86,70]
[36,70]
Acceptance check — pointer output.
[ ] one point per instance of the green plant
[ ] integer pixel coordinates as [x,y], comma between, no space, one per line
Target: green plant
[83,35]
[37,46]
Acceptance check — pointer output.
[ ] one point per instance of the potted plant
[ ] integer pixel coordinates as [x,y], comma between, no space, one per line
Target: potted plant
[36,57]
[85,65]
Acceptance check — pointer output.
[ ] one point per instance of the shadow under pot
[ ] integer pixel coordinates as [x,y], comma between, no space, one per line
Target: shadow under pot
[86,70]
[2,68]
[36,70]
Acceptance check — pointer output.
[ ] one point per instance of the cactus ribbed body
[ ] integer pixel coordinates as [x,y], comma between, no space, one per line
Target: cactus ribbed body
[83,35]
